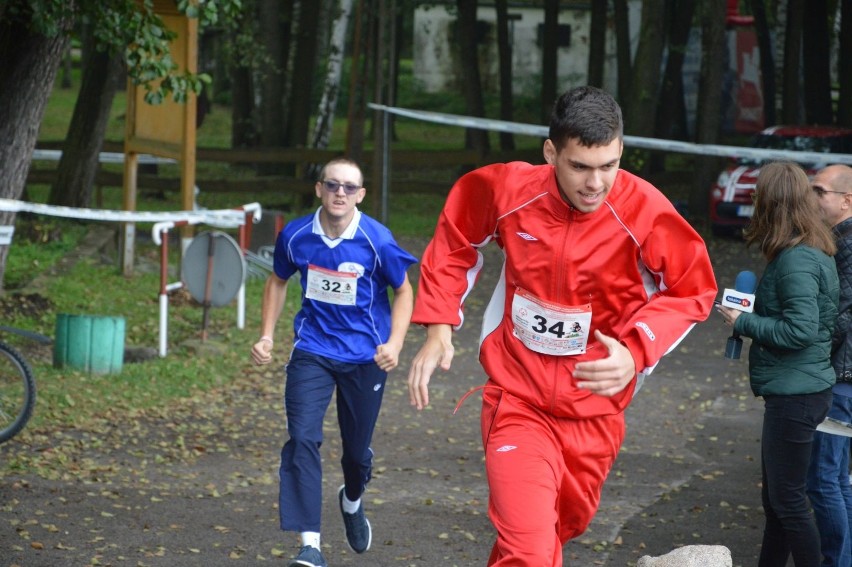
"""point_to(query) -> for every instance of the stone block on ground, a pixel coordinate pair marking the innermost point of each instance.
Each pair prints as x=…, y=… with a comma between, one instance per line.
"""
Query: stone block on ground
x=691, y=556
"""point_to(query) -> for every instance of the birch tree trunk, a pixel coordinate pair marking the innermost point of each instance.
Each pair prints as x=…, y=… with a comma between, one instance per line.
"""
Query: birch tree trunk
x=328, y=103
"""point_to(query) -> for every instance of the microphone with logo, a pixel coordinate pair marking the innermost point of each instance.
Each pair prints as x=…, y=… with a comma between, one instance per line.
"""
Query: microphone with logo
x=742, y=299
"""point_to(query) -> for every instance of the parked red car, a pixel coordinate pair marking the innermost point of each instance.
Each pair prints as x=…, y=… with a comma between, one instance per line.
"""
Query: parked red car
x=731, y=204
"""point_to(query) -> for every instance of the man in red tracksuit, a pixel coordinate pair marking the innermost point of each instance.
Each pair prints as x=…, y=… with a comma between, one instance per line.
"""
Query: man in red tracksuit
x=602, y=277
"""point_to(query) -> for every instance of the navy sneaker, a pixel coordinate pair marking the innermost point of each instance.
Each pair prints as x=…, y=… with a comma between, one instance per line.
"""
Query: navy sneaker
x=358, y=531
x=309, y=556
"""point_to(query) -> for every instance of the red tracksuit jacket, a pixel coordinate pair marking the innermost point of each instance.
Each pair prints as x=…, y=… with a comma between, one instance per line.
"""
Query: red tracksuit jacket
x=640, y=266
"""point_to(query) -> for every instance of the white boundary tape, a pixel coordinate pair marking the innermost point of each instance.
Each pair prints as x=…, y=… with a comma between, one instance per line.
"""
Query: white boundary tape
x=233, y=217
x=633, y=141
x=163, y=221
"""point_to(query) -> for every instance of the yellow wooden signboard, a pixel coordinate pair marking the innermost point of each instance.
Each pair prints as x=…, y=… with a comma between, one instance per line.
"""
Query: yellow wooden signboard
x=166, y=129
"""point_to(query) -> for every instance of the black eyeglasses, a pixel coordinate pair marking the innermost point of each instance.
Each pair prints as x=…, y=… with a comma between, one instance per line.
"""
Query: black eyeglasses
x=332, y=186
x=820, y=191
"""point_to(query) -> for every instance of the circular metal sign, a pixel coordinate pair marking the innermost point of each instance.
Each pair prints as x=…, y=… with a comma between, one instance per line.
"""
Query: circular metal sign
x=217, y=253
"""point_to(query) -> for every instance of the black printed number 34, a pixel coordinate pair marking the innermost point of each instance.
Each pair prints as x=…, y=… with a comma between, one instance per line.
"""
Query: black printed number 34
x=557, y=329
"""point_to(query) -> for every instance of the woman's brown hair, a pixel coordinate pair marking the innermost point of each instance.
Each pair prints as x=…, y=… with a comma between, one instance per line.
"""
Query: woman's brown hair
x=786, y=212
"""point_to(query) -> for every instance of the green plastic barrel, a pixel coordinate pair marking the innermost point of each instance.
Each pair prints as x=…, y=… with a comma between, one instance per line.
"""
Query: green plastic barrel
x=90, y=343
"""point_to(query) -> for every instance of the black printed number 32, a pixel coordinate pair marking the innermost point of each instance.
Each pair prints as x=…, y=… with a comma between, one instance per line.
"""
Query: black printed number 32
x=333, y=287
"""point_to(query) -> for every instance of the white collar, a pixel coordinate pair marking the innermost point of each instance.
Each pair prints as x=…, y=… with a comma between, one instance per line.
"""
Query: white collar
x=347, y=234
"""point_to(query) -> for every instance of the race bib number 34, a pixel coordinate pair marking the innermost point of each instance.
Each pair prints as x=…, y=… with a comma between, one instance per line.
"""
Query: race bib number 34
x=330, y=286
x=549, y=328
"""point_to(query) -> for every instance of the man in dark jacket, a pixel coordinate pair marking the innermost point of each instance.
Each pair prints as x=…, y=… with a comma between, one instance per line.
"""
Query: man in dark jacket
x=828, y=477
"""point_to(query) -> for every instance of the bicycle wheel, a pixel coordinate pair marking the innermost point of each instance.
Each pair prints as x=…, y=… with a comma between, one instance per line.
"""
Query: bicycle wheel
x=17, y=392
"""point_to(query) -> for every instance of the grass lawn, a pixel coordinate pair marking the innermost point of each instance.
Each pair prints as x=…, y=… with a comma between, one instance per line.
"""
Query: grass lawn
x=94, y=285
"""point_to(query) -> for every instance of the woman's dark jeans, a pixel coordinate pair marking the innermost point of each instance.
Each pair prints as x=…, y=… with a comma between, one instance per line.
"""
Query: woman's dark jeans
x=789, y=423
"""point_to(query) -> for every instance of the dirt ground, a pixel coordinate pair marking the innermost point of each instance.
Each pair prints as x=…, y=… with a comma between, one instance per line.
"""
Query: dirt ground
x=197, y=485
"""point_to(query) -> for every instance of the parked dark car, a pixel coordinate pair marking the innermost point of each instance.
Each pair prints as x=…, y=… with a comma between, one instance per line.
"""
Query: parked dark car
x=731, y=204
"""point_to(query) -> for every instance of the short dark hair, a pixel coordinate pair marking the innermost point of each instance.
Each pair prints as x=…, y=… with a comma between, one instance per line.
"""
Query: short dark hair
x=588, y=114
x=339, y=161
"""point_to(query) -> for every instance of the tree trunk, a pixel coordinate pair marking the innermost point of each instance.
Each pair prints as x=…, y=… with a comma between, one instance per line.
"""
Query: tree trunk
x=274, y=19
x=67, y=68
x=328, y=104
x=597, y=44
x=671, y=111
x=398, y=42
x=243, y=130
x=641, y=104
x=471, y=84
x=844, y=66
x=791, y=99
x=767, y=60
x=212, y=59
x=504, y=55
x=623, y=55
x=817, y=72
x=355, y=114
x=304, y=64
x=671, y=108
x=709, y=107
x=30, y=62
x=549, y=60
x=75, y=173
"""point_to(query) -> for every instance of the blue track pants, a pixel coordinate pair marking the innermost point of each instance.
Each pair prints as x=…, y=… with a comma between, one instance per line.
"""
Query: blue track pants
x=311, y=381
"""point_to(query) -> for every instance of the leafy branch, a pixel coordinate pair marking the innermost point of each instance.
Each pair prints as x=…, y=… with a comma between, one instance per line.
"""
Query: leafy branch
x=134, y=27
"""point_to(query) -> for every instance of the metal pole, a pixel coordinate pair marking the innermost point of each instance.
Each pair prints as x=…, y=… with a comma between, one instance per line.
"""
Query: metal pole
x=208, y=285
x=385, y=168
x=386, y=116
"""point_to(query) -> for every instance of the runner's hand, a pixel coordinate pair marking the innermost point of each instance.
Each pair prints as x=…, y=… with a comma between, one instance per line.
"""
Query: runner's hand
x=387, y=356
x=607, y=376
x=437, y=351
x=261, y=352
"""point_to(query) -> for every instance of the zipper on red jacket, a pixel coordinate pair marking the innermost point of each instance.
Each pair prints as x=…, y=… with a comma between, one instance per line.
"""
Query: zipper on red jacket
x=558, y=296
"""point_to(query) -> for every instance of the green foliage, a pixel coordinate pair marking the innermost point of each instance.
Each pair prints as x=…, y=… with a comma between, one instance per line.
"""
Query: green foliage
x=136, y=29
x=148, y=48
x=634, y=160
x=47, y=17
x=213, y=12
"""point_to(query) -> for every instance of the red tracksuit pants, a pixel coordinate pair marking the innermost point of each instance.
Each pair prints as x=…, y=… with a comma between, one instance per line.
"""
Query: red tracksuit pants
x=545, y=476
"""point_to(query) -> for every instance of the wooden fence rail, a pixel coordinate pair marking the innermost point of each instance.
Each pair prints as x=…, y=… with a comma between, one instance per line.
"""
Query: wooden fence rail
x=412, y=171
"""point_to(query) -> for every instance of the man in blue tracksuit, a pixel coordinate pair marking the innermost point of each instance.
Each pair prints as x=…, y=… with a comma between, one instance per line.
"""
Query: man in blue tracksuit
x=348, y=335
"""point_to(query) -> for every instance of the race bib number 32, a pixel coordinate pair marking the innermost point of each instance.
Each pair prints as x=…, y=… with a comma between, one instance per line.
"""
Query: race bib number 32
x=330, y=286
x=549, y=328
